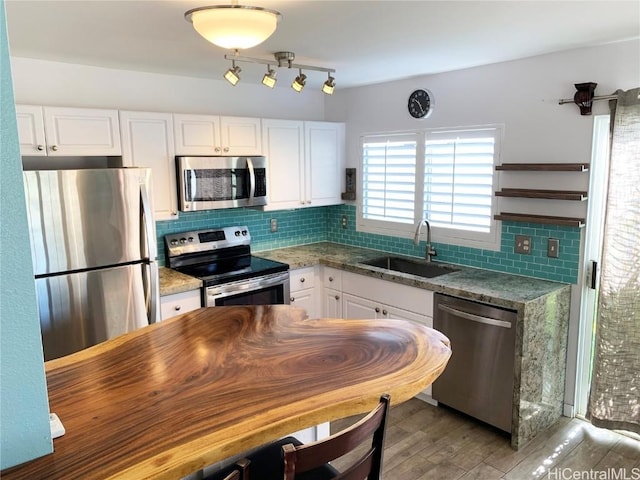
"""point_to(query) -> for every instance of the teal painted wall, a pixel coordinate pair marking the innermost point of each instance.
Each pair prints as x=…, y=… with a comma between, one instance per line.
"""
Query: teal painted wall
x=24, y=409
x=298, y=227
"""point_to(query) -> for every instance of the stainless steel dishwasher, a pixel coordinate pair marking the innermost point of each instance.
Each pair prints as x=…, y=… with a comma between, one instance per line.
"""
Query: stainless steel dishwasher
x=479, y=377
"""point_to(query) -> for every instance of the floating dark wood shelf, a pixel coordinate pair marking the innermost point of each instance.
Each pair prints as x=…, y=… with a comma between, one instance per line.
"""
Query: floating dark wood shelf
x=536, y=193
x=545, y=219
x=544, y=167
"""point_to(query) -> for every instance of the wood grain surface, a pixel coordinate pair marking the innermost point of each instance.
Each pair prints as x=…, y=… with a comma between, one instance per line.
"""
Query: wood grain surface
x=168, y=399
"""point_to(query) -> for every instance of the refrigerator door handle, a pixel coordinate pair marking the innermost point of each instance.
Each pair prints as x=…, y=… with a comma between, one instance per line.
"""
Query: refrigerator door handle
x=149, y=230
x=153, y=292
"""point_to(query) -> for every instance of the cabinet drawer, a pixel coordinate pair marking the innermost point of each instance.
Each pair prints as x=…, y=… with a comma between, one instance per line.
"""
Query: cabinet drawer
x=332, y=278
x=178, y=303
x=408, y=298
x=302, y=278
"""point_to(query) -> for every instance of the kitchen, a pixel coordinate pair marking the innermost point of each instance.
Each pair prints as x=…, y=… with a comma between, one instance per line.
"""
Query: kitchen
x=521, y=94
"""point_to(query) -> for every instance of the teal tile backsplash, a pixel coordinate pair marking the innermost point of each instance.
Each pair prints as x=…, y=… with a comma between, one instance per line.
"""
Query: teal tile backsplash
x=310, y=225
x=295, y=227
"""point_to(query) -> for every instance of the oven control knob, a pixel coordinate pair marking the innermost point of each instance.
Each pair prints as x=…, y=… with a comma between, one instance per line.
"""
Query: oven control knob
x=183, y=240
x=174, y=242
x=190, y=239
x=237, y=233
x=244, y=233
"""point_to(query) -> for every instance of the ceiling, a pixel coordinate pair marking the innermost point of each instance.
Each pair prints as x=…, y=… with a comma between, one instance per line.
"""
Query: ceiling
x=365, y=41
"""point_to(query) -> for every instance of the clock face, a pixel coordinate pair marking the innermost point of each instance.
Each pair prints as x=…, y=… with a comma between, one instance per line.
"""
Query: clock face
x=420, y=103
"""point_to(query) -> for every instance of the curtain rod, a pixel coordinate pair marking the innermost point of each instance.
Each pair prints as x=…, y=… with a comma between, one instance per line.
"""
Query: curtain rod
x=562, y=101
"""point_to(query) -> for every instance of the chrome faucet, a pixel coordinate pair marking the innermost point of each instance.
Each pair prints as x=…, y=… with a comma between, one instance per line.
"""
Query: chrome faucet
x=430, y=251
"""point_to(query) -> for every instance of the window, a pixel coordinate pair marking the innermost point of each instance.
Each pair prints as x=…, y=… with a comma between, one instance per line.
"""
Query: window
x=445, y=176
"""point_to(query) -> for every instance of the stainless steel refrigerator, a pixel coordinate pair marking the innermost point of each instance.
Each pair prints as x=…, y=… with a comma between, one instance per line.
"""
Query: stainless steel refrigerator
x=94, y=252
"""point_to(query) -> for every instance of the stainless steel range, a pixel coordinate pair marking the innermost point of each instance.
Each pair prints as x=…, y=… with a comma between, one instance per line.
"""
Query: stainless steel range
x=222, y=259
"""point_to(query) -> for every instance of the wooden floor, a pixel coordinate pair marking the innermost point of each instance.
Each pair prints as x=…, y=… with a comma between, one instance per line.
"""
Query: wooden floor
x=435, y=443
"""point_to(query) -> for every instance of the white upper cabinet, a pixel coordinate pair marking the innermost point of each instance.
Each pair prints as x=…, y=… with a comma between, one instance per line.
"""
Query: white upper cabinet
x=324, y=155
x=213, y=135
x=59, y=131
x=305, y=163
x=147, y=141
x=283, y=145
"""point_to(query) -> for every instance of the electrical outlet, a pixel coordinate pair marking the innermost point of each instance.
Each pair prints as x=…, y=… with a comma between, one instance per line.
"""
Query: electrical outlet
x=553, y=247
x=274, y=225
x=523, y=244
x=344, y=221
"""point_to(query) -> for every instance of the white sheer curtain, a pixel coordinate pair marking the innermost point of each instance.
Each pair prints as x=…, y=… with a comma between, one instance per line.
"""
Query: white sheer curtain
x=615, y=383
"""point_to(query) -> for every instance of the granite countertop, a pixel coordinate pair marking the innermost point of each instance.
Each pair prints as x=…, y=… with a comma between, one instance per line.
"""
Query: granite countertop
x=172, y=281
x=497, y=288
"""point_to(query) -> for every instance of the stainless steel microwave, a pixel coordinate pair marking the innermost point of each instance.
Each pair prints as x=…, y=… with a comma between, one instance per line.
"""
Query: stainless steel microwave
x=207, y=183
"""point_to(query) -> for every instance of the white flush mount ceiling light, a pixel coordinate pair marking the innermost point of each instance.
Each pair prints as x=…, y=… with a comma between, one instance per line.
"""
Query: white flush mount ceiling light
x=234, y=26
x=284, y=60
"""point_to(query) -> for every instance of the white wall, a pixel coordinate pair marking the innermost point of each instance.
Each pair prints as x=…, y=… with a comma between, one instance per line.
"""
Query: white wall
x=523, y=96
x=40, y=82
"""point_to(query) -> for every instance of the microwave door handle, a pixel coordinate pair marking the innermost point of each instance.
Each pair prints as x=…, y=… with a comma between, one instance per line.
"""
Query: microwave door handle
x=252, y=180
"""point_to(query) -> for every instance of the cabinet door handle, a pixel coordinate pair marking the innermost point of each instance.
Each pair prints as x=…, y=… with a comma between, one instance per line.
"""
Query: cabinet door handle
x=337, y=297
x=292, y=299
x=54, y=148
x=384, y=312
x=377, y=310
x=302, y=280
x=177, y=308
x=217, y=149
x=226, y=149
x=331, y=279
x=39, y=148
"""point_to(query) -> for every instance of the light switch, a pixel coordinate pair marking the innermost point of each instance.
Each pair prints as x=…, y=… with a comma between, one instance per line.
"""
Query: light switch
x=523, y=244
x=553, y=247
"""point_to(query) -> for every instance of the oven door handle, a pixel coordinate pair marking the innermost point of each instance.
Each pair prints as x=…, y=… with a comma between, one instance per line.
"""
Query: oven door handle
x=252, y=180
x=248, y=285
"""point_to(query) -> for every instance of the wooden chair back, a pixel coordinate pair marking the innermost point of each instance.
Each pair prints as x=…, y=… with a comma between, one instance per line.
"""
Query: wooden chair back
x=302, y=458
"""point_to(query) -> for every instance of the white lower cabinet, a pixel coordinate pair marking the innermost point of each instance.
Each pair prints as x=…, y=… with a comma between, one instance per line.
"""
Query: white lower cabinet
x=363, y=297
x=303, y=291
x=179, y=303
x=332, y=293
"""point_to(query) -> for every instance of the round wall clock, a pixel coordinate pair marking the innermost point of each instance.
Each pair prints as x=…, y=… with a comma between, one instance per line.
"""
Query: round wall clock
x=420, y=103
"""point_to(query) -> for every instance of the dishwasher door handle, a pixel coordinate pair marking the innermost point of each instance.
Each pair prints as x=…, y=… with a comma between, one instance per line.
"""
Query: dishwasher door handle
x=475, y=318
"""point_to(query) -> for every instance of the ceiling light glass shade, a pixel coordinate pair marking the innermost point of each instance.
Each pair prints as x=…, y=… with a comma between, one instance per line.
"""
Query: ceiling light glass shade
x=329, y=85
x=234, y=26
x=298, y=83
x=269, y=78
x=233, y=75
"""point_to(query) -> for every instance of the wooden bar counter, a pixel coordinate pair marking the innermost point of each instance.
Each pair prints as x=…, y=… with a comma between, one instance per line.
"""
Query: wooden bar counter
x=171, y=398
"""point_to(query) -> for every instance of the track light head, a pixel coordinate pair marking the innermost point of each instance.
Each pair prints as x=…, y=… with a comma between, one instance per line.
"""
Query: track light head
x=269, y=78
x=329, y=85
x=299, y=82
x=233, y=74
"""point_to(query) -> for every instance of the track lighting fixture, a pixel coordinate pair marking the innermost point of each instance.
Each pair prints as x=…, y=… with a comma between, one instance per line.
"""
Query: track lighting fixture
x=299, y=82
x=329, y=85
x=282, y=60
x=233, y=74
x=269, y=78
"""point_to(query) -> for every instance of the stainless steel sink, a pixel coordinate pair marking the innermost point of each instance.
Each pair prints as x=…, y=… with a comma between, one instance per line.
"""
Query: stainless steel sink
x=413, y=267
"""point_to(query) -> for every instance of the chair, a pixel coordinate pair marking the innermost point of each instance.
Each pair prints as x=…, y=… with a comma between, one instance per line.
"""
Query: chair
x=289, y=459
x=237, y=471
